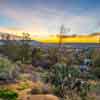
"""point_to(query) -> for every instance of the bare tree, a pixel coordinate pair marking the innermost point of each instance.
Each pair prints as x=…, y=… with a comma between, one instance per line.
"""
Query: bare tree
x=62, y=34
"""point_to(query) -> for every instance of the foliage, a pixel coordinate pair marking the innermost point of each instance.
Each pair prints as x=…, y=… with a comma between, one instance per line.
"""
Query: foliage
x=75, y=72
x=23, y=85
x=44, y=76
x=57, y=73
x=95, y=88
x=25, y=49
x=63, y=78
x=96, y=57
x=84, y=91
x=18, y=50
x=57, y=90
x=8, y=94
x=97, y=61
x=8, y=70
x=23, y=76
x=44, y=89
x=38, y=57
x=92, y=76
x=47, y=89
x=11, y=50
x=53, y=55
x=36, y=91
x=60, y=71
x=96, y=72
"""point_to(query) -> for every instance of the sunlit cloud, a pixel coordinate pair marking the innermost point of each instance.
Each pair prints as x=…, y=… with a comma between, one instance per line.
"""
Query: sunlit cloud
x=43, y=21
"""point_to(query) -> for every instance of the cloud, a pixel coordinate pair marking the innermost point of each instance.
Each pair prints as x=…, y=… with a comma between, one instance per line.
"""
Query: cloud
x=36, y=21
x=81, y=24
x=43, y=20
x=11, y=30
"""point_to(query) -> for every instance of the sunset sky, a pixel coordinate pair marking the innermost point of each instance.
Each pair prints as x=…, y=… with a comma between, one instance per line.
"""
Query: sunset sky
x=44, y=17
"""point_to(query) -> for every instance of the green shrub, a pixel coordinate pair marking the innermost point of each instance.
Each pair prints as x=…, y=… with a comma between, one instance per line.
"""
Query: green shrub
x=96, y=58
x=95, y=88
x=8, y=94
x=91, y=76
x=96, y=72
x=56, y=90
x=36, y=91
x=74, y=72
x=24, y=76
x=57, y=73
x=8, y=70
x=23, y=86
x=44, y=76
x=47, y=89
x=63, y=77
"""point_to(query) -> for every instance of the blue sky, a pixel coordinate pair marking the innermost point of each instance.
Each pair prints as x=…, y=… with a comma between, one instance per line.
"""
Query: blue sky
x=44, y=17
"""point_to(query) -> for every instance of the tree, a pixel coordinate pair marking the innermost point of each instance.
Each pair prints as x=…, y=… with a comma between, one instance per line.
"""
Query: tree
x=25, y=48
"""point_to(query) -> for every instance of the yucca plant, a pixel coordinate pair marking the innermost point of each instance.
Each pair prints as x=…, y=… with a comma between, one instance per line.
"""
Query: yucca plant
x=58, y=72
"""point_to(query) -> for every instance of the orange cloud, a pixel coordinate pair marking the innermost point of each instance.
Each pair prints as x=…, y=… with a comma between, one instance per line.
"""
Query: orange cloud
x=11, y=30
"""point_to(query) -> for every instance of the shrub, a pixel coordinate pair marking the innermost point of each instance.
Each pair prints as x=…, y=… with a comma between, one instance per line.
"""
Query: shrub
x=96, y=72
x=91, y=76
x=8, y=70
x=47, y=89
x=8, y=94
x=36, y=90
x=24, y=76
x=24, y=85
x=57, y=73
x=95, y=88
x=74, y=72
x=56, y=90
x=63, y=77
x=44, y=89
x=44, y=76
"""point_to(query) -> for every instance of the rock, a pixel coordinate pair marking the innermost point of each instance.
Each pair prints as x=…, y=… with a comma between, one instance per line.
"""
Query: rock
x=43, y=97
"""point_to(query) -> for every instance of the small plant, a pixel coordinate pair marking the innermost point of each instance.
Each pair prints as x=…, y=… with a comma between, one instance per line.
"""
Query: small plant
x=6, y=94
x=47, y=89
x=24, y=77
x=95, y=88
x=8, y=70
x=56, y=90
x=96, y=72
x=24, y=85
x=36, y=90
x=74, y=72
x=58, y=73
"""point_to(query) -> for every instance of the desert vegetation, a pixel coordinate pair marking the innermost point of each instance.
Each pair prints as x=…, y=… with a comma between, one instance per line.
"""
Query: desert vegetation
x=27, y=71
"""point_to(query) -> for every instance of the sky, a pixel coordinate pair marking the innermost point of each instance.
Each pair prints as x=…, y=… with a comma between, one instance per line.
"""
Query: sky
x=44, y=17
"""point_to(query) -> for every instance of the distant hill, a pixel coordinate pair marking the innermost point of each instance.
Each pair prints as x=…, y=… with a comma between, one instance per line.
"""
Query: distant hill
x=91, y=38
x=95, y=34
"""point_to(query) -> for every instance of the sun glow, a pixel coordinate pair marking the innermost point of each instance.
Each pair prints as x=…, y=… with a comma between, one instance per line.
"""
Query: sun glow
x=69, y=39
